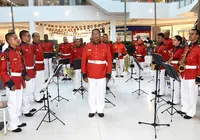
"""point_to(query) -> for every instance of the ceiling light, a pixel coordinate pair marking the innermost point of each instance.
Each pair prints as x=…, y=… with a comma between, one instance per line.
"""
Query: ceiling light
x=150, y=10
x=36, y=14
x=67, y=13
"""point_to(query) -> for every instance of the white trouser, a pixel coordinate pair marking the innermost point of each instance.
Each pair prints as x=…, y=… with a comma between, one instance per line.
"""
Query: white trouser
x=77, y=79
x=176, y=90
x=161, y=82
x=119, y=66
x=137, y=68
x=189, y=95
x=27, y=94
x=39, y=81
x=48, y=67
x=14, y=108
x=97, y=90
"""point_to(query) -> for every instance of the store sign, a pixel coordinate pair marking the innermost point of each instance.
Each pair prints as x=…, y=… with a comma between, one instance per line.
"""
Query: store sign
x=133, y=28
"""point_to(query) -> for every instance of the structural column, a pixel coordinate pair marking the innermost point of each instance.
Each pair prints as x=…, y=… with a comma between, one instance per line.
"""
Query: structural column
x=113, y=30
x=31, y=27
x=30, y=3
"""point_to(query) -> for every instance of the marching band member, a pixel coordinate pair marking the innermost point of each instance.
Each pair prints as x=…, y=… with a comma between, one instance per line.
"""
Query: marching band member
x=175, y=56
x=39, y=67
x=96, y=70
x=29, y=62
x=65, y=51
x=161, y=49
x=13, y=73
x=76, y=53
x=168, y=41
x=140, y=54
x=121, y=50
x=190, y=74
x=47, y=46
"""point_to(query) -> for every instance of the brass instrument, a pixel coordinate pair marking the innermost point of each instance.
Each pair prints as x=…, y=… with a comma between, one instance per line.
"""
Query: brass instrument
x=182, y=62
x=153, y=65
x=171, y=59
x=70, y=72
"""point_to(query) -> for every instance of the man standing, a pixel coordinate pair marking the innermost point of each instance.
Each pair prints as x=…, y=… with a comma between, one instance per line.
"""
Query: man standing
x=47, y=47
x=140, y=54
x=108, y=44
x=12, y=73
x=168, y=41
x=65, y=51
x=39, y=67
x=161, y=49
x=29, y=62
x=76, y=53
x=96, y=70
x=121, y=50
x=190, y=76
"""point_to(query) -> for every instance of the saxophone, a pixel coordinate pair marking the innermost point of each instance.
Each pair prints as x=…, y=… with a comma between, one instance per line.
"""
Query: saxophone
x=171, y=59
x=182, y=62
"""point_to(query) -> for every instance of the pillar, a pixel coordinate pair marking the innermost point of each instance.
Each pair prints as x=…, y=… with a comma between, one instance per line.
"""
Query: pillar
x=30, y=2
x=32, y=27
x=113, y=30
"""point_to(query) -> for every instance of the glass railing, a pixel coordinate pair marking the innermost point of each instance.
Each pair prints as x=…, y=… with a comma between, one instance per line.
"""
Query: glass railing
x=159, y=1
x=59, y=2
x=183, y=3
x=15, y=2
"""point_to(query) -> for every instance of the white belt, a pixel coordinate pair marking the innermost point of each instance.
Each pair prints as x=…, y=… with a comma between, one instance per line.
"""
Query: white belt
x=39, y=62
x=138, y=55
x=97, y=62
x=66, y=54
x=190, y=67
x=17, y=74
x=30, y=68
x=174, y=62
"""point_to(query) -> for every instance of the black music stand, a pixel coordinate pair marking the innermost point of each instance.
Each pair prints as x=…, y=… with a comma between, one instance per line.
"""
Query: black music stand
x=171, y=72
x=139, y=91
x=77, y=66
x=58, y=98
x=65, y=61
x=49, y=55
x=49, y=111
x=158, y=60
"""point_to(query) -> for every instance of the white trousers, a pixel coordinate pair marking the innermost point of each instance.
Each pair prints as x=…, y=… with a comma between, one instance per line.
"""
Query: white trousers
x=189, y=95
x=27, y=95
x=97, y=90
x=176, y=90
x=161, y=82
x=137, y=69
x=39, y=81
x=119, y=66
x=48, y=67
x=14, y=108
x=77, y=79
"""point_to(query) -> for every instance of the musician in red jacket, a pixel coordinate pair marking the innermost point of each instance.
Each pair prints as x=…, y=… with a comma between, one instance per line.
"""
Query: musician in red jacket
x=39, y=67
x=190, y=76
x=29, y=62
x=96, y=70
x=161, y=49
x=140, y=54
x=168, y=41
x=76, y=53
x=13, y=74
x=175, y=56
x=47, y=47
x=110, y=46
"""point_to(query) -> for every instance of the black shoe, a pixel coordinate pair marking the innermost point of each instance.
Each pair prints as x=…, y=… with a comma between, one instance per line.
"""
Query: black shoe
x=22, y=125
x=17, y=130
x=91, y=115
x=101, y=115
x=187, y=117
x=40, y=101
x=107, y=88
x=116, y=76
x=28, y=114
x=181, y=112
x=33, y=110
x=121, y=76
x=64, y=79
x=46, y=80
x=74, y=90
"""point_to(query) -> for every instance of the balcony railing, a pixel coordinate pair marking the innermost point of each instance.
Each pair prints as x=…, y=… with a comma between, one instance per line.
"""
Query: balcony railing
x=15, y=3
x=183, y=3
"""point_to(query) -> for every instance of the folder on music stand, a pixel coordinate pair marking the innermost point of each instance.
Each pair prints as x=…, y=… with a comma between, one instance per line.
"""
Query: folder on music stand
x=77, y=64
x=64, y=61
x=49, y=55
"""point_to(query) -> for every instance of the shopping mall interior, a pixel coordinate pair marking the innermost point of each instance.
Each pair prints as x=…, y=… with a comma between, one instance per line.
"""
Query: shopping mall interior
x=126, y=19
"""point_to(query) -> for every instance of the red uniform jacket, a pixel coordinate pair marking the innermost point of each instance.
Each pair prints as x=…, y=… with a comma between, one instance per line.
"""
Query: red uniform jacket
x=177, y=54
x=12, y=68
x=76, y=53
x=169, y=43
x=140, y=52
x=96, y=61
x=120, y=48
x=65, y=50
x=29, y=58
x=39, y=58
x=192, y=70
x=47, y=46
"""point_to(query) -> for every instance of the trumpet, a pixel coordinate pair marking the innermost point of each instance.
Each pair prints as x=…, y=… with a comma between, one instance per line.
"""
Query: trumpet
x=182, y=62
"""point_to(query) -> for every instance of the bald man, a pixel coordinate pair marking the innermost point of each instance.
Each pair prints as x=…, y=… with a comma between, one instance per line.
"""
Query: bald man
x=168, y=41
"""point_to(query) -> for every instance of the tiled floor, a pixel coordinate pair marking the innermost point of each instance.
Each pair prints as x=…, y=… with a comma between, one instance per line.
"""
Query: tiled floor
x=119, y=123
